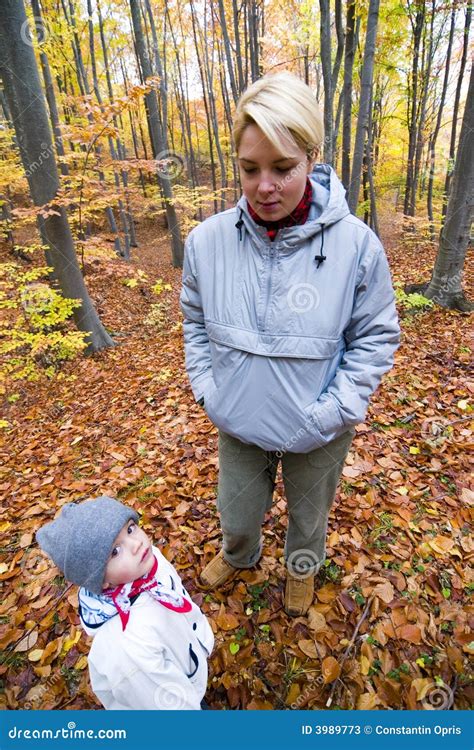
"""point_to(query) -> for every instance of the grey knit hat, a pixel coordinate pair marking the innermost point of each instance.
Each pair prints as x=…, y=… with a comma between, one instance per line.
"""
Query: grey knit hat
x=81, y=538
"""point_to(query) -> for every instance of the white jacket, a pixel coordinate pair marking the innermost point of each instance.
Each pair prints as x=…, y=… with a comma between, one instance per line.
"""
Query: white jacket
x=159, y=661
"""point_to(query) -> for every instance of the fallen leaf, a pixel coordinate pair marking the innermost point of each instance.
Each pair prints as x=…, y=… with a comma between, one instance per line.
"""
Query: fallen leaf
x=308, y=648
x=316, y=620
x=27, y=642
x=367, y=702
x=36, y=654
x=330, y=669
x=384, y=591
x=411, y=633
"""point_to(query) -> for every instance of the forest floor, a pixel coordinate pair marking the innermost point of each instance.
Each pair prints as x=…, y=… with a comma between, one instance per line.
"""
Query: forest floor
x=389, y=625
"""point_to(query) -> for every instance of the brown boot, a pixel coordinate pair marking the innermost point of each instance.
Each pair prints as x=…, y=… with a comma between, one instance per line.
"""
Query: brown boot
x=217, y=572
x=299, y=593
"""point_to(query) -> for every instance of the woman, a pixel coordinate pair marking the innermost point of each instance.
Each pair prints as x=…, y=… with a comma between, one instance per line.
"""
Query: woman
x=289, y=326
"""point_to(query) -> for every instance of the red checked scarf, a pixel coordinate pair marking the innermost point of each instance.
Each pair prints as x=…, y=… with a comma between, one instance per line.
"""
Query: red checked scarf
x=298, y=216
x=122, y=595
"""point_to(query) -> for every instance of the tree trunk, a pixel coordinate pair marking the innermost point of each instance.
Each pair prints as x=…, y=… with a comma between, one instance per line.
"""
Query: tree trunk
x=434, y=135
x=426, y=73
x=30, y=120
x=349, y=54
x=206, y=103
x=238, y=53
x=157, y=138
x=412, y=103
x=363, y=118
x=228, y=51
x=445, y=286
x=325, y=28
x=457, y=98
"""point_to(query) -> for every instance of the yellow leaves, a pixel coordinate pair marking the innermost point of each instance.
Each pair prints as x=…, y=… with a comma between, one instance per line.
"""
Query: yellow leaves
x=364, y=665
x=35, y=655
x=443, y=545
x=134, y=281
x=70, y=642
x=402, y=491
x=131, y=283
x=414, y=450
x=159, y=287
x=81, y=663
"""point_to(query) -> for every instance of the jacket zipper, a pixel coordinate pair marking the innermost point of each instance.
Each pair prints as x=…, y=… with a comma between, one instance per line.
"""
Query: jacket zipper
x=269, y=288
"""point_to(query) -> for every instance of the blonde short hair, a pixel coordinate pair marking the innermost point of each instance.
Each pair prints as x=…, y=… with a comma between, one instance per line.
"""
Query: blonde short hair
x=284, y=108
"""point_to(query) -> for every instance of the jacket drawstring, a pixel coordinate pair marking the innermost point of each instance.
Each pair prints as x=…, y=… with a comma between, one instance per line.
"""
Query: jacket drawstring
x=239, y=225
x=321, y=258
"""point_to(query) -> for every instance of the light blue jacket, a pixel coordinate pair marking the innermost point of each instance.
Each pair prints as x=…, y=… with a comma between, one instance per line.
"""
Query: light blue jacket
x=287, y=340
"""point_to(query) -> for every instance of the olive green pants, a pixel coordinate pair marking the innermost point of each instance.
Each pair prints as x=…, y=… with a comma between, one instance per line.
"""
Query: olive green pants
x=245, y=493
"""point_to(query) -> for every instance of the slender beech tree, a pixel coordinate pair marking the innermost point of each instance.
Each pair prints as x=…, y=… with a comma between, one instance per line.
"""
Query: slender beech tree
x=457, y=98
x=349, y=53
x=22, y=86
x=416, y=13
x=434, y=134
x=325, y=33
x=157, y=135
x=364, y=104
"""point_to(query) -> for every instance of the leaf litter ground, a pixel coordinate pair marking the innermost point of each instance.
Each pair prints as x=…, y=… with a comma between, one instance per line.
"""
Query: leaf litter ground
x=391, y=622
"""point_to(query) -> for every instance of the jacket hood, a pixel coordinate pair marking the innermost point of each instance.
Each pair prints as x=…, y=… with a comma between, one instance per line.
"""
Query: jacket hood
x=328, y=206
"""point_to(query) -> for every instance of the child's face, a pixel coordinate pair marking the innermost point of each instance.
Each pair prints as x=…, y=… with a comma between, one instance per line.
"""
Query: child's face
x=131, y=557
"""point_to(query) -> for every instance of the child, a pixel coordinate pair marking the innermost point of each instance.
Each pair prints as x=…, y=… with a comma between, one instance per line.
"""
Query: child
x=151, y=642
